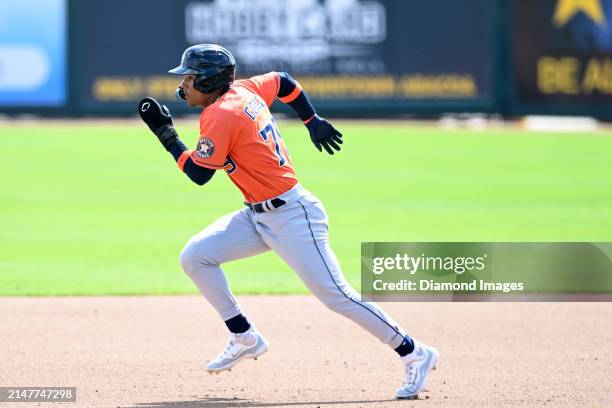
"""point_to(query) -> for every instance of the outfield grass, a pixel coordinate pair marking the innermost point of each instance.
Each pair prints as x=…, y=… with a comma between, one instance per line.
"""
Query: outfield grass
x=102, y=209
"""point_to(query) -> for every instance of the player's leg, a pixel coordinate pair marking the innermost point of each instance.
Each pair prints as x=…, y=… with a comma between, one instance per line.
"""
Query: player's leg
x=299, y=234
x=229, y=238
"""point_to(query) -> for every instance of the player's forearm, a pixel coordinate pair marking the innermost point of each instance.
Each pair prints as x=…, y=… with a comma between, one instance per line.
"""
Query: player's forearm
x=291, y=93
x=159, y=120
x=177, y=148
x=198, y=174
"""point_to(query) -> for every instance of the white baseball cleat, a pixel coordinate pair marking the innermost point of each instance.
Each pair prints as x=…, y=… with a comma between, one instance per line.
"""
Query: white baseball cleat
x=240, y=346
x=418, y=364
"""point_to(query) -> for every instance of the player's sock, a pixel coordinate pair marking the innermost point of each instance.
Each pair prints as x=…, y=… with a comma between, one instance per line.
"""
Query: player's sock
x=406, y=347
x=238, y=324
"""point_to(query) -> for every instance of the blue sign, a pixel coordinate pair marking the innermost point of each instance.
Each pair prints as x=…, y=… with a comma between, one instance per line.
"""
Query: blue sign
x=32, y=53
x=562, y=54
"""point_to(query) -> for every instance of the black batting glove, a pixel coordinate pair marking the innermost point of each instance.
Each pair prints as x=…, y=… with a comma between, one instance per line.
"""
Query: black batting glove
x=159, y=120
x=324, y=135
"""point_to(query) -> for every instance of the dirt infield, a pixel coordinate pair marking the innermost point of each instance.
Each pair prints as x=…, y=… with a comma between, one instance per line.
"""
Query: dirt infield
x=148, y=352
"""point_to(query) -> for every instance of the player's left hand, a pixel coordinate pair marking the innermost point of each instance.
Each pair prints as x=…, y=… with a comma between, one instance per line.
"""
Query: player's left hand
x=159, y=120
x=154, y=115
x=324, y=135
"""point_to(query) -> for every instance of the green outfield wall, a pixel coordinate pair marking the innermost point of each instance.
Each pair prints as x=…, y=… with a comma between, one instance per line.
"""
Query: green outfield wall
x=355, y=58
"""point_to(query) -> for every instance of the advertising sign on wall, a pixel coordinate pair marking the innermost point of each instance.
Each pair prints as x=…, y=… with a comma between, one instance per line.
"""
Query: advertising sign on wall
x=33, y=54
x=346, y=51
x=562, y=52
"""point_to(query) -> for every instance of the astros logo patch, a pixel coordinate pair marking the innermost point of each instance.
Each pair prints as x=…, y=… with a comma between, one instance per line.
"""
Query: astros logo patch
x=205, y=148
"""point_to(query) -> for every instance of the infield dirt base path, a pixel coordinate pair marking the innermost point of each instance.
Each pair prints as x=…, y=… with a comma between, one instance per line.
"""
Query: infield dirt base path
x=149, y=352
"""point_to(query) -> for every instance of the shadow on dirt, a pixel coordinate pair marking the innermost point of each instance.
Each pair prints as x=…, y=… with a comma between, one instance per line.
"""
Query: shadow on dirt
x=237, y=402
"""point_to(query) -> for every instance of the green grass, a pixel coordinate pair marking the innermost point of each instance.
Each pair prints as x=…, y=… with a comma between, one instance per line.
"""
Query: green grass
x=102, y=209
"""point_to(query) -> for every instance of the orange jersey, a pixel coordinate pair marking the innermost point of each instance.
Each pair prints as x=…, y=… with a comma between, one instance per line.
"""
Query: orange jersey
x=238, y=134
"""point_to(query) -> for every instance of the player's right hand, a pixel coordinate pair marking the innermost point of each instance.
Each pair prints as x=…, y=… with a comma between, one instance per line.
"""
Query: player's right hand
x=159, y=120
x=323, y=135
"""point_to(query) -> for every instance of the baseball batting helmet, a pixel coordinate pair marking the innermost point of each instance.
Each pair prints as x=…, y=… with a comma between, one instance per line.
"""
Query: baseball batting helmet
x=214, y=66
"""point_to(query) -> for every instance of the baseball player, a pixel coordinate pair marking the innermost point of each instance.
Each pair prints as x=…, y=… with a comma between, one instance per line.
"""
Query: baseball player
x=239, y=135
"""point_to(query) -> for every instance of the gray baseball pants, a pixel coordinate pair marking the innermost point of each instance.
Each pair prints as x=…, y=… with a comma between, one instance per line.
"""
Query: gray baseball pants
x=297, y=232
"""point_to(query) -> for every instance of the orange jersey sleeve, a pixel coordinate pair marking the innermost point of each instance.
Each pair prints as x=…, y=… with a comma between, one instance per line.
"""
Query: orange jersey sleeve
x=266, y=86
x=216, y=135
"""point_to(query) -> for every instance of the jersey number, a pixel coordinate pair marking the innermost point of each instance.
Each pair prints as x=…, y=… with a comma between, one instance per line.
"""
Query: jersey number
x=271, y=129
x=229, y=165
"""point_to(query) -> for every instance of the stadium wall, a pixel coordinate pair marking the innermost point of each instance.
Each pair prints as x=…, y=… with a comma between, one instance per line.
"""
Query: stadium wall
x=355, y=58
